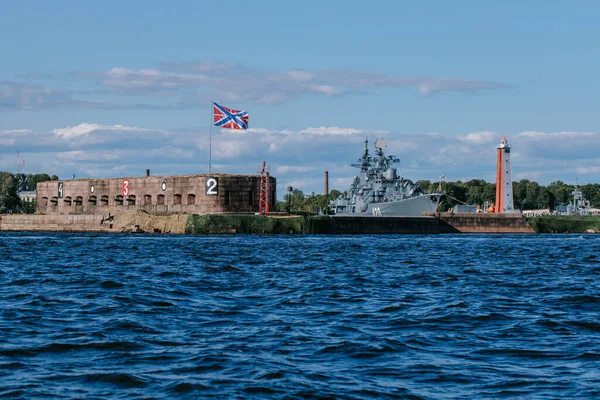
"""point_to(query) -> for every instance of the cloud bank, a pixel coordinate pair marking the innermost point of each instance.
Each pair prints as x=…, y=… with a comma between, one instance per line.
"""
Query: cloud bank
x=297, y=158
x=181, y=85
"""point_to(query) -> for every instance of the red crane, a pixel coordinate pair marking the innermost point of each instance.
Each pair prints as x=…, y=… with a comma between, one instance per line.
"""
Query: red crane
x=263, y=202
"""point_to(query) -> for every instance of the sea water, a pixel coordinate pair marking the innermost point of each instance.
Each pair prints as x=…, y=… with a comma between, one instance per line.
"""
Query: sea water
x=395, y=316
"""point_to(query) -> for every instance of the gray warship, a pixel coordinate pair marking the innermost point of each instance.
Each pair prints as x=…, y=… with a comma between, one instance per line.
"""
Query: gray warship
x=380, y=191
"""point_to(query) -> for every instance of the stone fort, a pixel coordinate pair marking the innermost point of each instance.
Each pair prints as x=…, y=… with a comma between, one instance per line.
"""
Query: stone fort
x=192, y=194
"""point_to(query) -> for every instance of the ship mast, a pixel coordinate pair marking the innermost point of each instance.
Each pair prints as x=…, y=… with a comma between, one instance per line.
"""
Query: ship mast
x=365, y=160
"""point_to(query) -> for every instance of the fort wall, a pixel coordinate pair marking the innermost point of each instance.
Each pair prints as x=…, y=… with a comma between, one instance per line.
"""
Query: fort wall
x=192, y=194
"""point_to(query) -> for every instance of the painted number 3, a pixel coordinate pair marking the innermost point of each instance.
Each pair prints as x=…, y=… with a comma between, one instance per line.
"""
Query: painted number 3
x=212, y=186
x=125, y=187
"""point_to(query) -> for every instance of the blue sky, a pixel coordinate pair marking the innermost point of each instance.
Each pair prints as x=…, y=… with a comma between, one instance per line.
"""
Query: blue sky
x=112, y=88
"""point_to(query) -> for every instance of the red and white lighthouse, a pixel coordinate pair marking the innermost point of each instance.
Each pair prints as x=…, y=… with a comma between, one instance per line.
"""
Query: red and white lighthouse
x=504, y=192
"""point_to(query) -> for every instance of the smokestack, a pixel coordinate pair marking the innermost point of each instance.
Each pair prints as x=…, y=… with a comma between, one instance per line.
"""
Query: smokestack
x=326, y=189
x=147, y=173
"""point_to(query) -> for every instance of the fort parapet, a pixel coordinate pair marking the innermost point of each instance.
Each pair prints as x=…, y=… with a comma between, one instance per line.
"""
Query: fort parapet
x=191, y=194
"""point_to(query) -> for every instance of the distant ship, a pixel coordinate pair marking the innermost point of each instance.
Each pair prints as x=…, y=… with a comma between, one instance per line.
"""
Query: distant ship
x=379, y=191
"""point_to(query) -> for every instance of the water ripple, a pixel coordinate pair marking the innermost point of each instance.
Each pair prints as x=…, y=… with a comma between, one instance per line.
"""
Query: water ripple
x=412, y=317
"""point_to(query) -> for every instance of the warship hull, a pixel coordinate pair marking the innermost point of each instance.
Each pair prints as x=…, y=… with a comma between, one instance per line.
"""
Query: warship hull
x=410, y=207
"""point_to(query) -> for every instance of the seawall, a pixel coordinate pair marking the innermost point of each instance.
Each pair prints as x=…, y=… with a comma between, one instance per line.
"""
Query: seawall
x=484, y=222
x=143, y=222
x=120, y=222
x=54, y=223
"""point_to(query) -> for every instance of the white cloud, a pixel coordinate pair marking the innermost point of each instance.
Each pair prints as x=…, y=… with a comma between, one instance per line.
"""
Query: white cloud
x=588, y=170
x=120, y=77
x=328, y=131
x=531, y=134
x=93, y=156
x=229, y=149
x=15, y=131
x=326, y=90
x=198, y=82
x=427, y=86
x=286, y=169
x=86, y=128
x=184, y=85
x=301, y=76
x=553, y=135
x=260, y=131
x=479, y=137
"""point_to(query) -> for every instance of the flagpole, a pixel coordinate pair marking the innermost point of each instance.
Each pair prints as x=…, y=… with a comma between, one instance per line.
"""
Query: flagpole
x=212, y=117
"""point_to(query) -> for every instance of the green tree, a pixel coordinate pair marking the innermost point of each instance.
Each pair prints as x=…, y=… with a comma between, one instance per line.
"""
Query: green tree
x=9, y=199
x=543, y=198
x=424, y=184
x=590, y=191
x=27, y=207
x=455, y=194
x=292, y=201
x=33, y=179
x=474, y=191
x=489, y=193
x=21, y=181
x=531, y=192
x=559, y=192
x=334, y=194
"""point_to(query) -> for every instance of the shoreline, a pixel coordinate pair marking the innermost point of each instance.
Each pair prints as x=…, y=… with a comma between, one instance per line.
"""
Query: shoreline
x=431, y=223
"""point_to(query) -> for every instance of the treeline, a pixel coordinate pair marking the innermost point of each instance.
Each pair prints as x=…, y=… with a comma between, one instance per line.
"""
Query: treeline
x=527, y=195
x=299, y=203
x=12, y=184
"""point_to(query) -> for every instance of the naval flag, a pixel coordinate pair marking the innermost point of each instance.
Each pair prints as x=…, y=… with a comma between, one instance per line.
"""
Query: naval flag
x=230, y=119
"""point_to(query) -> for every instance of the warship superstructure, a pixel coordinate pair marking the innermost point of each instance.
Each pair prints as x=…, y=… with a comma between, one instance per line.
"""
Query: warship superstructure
x=379, y=190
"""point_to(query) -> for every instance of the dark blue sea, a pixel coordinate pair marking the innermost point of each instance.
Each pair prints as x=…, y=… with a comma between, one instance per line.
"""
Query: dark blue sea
x=416, y=317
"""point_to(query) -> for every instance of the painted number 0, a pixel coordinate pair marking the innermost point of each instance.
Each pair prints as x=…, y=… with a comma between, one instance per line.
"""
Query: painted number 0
x=211, y=187
x=125, y=187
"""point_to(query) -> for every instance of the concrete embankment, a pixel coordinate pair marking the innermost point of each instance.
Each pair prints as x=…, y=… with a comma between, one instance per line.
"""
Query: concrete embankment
x=119, y=222
x=54, y=223
x=484, y=222
x=140, y=221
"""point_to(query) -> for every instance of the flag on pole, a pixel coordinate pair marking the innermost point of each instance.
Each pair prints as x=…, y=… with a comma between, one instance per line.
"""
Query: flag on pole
x=227, y=118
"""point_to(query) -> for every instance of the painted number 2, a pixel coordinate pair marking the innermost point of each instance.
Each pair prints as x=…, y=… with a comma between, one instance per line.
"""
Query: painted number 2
x=212, y=186
x=125, y=187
